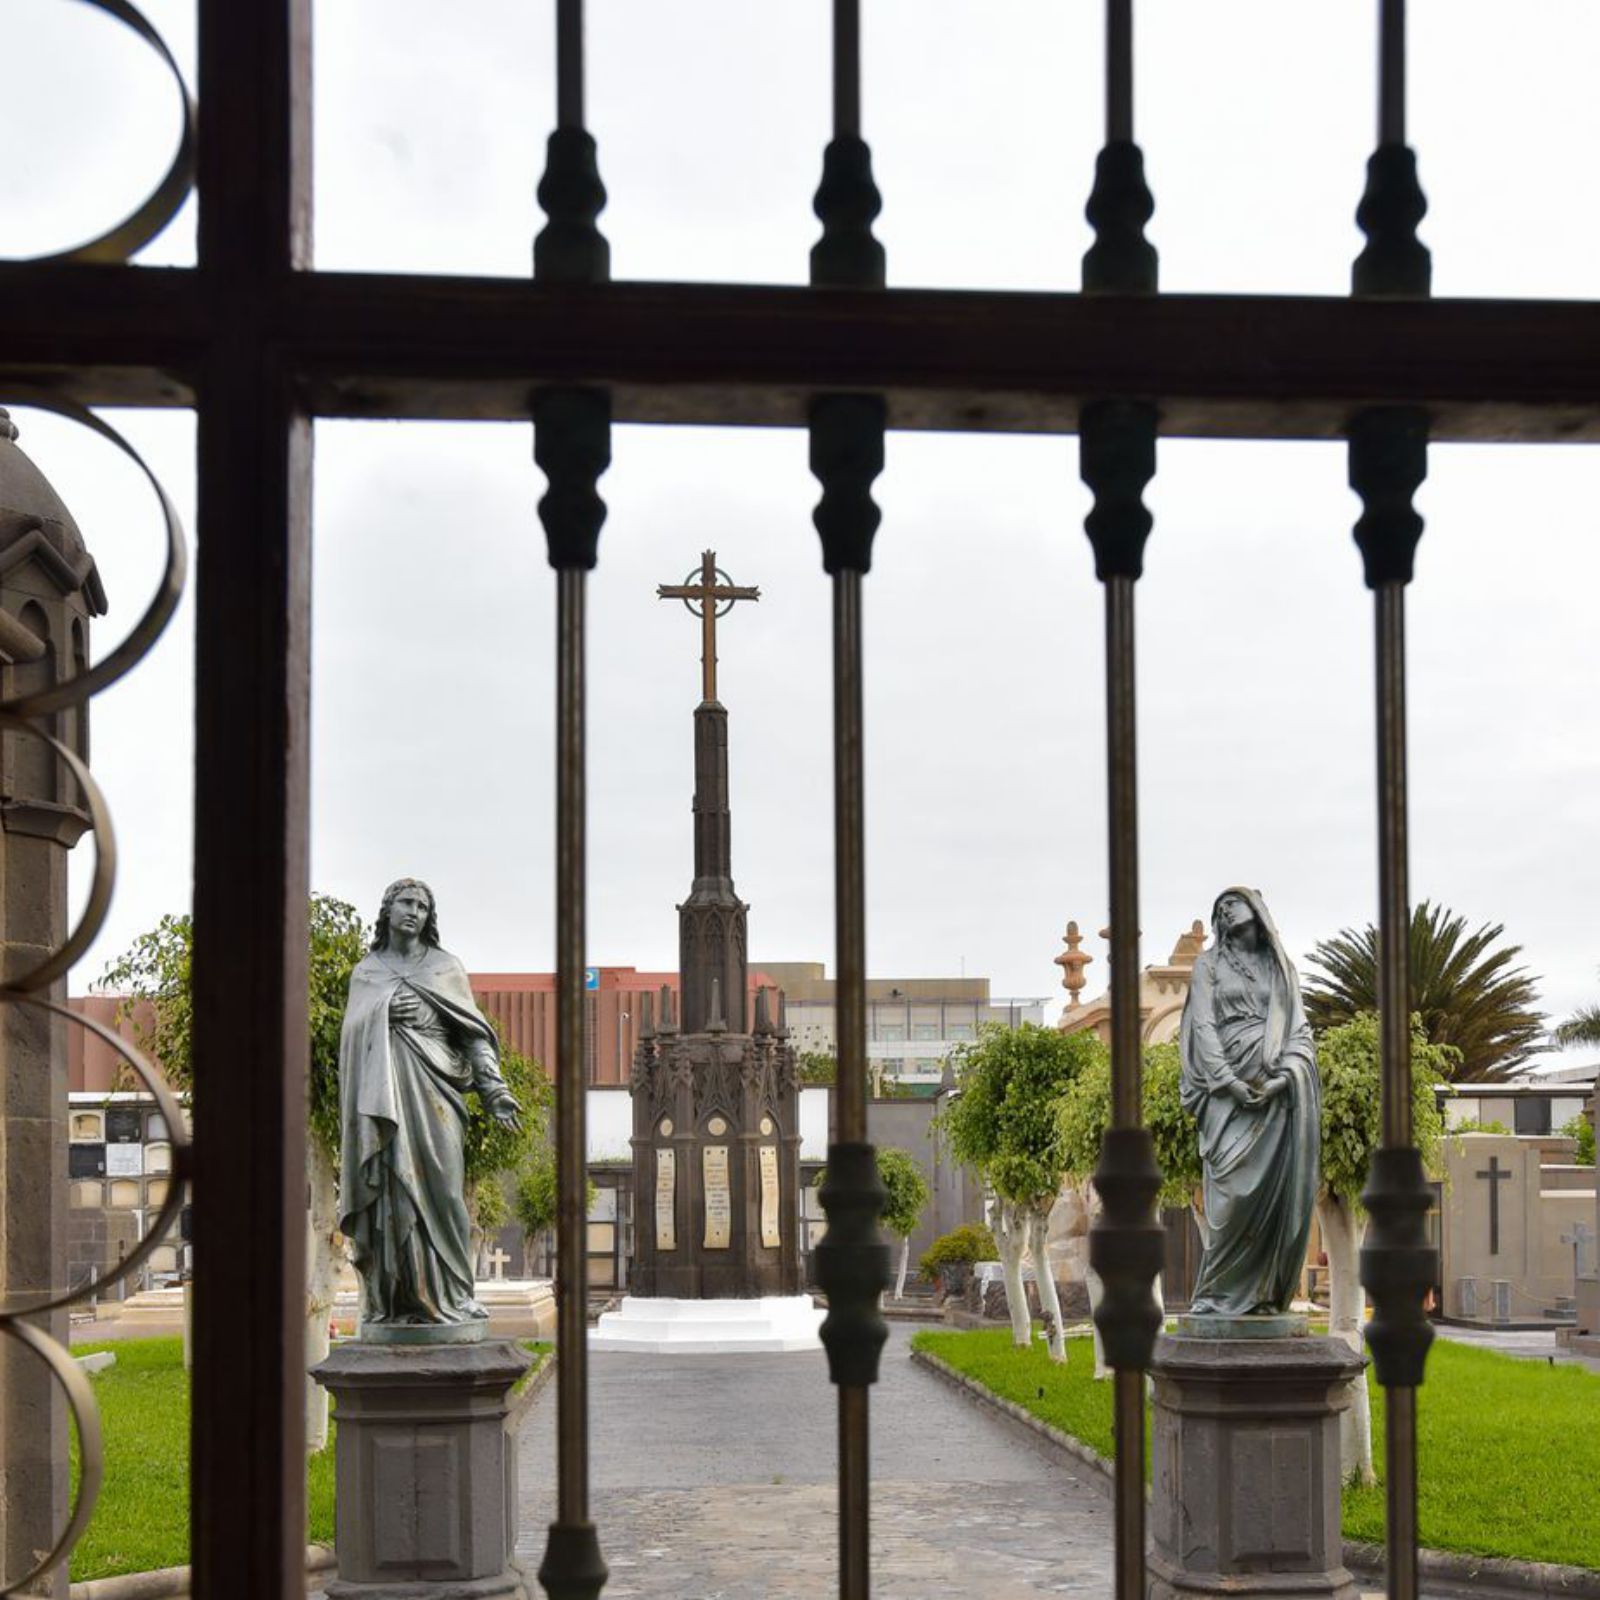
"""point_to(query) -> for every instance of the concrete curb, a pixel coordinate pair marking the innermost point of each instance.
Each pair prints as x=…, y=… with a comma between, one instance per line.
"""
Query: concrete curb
x=1448, y=1570
x=1051, y=1435
x=1444, y=1571
x=523, y=1403
x=172, y=1583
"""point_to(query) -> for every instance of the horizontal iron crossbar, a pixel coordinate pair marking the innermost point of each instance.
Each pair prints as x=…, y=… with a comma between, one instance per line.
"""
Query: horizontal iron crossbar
x=1221, y=366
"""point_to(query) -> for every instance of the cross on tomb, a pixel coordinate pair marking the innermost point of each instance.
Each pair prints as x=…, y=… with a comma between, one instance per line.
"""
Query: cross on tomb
x=497, y=1259
x=1580, y=1236
x=1496, y=1176
x=712, y=596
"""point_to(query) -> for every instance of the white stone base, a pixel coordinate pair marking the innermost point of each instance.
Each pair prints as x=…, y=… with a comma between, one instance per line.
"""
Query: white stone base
x=710, y=1327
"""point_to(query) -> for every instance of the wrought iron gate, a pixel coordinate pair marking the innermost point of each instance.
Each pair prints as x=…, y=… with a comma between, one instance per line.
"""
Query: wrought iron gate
x=258, y=344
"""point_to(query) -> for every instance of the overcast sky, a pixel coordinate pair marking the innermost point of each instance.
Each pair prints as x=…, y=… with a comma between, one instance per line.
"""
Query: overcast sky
x=434, y=605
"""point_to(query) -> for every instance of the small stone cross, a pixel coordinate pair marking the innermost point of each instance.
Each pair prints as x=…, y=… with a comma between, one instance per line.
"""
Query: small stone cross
x=1496, y=1176
x=497, y=1259
x=1580, y=1236
x=711, y=597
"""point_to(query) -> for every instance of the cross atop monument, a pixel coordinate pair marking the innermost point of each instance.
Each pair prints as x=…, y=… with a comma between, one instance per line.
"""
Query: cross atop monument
x=712, y=596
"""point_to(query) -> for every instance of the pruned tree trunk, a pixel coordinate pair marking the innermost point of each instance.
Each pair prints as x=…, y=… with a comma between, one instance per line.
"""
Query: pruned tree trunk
x=1011, y=1234
x=905, y=1259
x=1038, y=1223
x=1346, y=1303
x=322, y=1283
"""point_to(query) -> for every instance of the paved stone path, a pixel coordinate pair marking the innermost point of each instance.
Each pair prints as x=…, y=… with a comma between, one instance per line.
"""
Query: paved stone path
x=713, y=1479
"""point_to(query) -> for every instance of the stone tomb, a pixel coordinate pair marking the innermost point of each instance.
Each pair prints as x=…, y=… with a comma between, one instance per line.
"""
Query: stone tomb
x=1515, y=1213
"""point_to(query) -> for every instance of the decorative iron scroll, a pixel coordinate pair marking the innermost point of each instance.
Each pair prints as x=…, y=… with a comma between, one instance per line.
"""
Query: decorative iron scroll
x=119, y=244
x=28, y=990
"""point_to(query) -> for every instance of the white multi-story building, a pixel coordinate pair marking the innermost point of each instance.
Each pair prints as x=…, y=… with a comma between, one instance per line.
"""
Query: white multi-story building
x=912, y=1023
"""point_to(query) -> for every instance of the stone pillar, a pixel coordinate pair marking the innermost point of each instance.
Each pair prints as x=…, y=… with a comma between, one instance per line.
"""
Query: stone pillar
x=1245, y=1448
x=49, y=591
x=425, y=1471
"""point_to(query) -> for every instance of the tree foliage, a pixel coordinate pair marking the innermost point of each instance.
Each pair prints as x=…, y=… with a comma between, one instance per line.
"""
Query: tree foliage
x=1581, y=1129
x=157, y=969
x=1004, y=1122
x=1085, y=1113
x=962, y=1246
x=1582, y=1027
x=905, y=1190
x=1465, y=986
x=1348, y=1063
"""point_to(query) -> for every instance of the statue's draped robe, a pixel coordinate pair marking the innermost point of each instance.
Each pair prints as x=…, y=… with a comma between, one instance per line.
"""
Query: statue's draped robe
x=403, y=1111
x=1260, y=1162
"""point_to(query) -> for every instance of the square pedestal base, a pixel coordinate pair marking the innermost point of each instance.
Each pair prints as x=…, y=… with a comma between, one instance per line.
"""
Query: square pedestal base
x=1245, y=1450
x=425, y=1472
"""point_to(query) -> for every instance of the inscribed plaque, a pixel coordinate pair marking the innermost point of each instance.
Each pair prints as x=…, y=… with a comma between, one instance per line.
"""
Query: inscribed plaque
x=719, y=1202
x=666, y=1199
x=770, y=1236
x=124, y=1160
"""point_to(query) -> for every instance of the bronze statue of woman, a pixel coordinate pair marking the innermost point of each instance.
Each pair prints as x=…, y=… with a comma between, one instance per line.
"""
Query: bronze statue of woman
x=1250, y=1081
x=414, y=1043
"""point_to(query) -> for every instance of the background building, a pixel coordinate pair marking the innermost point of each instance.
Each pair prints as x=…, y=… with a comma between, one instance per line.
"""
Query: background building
x=912, y=1023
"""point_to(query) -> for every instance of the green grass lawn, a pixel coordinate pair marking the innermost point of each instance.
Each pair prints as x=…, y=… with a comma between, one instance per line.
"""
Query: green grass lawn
x=142, y=1518
x=1508, y=1450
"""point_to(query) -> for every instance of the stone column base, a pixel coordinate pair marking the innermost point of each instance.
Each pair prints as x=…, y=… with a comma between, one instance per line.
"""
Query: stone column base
x=1245, y=1450
x=425, y=1472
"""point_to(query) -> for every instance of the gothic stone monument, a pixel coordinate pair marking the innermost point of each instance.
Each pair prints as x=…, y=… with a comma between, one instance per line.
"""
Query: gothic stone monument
x=716, y=1137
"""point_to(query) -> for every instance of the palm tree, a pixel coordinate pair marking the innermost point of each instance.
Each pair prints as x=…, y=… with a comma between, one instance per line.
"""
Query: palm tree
x=1582, y=1027
x=1469, y=994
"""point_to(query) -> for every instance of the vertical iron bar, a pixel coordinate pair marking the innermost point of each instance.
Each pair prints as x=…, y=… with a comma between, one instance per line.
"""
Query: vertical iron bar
x=1123, y=801
x=1394, y=1024
x=847, y=69
x=1119, y=70
x=849, y=862
x=569, y=63
x=1392, y=72
x=572, y=443
x=850, y=913
x=572, y=1374
x=252, y=704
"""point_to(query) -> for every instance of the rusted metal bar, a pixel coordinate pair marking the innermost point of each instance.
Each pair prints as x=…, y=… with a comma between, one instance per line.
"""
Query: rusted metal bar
x=252, y=637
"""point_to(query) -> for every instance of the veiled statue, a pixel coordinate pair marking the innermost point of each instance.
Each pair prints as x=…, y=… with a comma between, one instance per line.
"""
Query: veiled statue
x=414, y=1045
x=1250, y=1082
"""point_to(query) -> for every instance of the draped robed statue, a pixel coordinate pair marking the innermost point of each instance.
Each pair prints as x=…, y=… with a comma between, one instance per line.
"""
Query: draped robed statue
x=1249, y=1079
x=414, y=1045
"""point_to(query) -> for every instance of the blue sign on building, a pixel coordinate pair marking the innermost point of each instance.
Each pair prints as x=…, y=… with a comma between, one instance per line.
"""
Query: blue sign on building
x=591, y=977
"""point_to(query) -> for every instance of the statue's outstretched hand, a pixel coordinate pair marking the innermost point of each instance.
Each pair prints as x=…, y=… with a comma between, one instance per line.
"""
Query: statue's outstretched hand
x=507, y=1113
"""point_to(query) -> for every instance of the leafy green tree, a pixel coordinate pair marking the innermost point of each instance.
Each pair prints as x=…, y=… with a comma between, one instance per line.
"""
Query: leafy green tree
x=906, y=1196
x=535, y=1198
x=1465, y=986
x=1004, y=1123
x=154, y=974
x=1581, y=1129
x=1085, y=1114
x=818, y=1068
x=1348, y=1064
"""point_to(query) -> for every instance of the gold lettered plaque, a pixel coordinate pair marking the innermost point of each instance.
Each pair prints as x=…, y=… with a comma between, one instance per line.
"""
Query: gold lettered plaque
x=666, y=1198
x=719, y=1202
x=770, y=1236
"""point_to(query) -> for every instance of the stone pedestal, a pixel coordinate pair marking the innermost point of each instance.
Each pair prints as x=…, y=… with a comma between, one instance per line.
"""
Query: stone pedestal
x=1245, y=1447
x=426, y=1474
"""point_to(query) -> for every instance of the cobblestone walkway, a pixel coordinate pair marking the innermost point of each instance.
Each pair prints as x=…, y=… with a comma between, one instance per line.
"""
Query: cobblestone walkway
x=713, y=1479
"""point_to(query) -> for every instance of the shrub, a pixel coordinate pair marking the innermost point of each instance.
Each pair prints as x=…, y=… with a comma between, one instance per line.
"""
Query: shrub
x=960, y=1247
x=1581, y=1129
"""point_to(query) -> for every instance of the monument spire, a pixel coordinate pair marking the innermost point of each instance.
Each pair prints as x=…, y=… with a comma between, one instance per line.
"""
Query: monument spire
x=712, y=933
